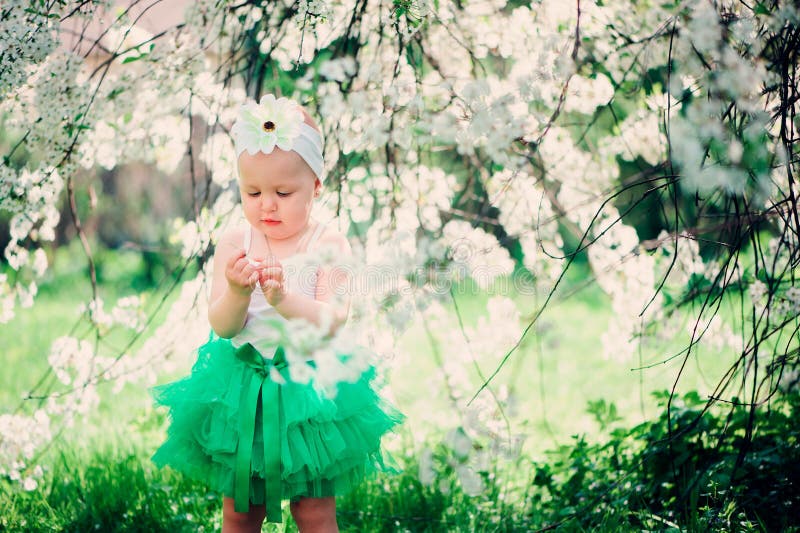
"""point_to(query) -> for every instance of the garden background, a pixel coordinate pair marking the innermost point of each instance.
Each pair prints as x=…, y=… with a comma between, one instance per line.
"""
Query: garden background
x=575, y=234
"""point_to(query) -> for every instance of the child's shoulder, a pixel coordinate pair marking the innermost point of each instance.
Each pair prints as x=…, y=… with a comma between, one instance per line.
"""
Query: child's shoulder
x=231, y=240
x=331, y=237
x=234, y=233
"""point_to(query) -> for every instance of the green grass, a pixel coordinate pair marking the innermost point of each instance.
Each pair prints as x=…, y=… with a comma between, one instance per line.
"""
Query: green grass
x=25, y=341
x=558, y=370
x=112, y=486
x=554, y=375
x=108, y=484
x=100, y=478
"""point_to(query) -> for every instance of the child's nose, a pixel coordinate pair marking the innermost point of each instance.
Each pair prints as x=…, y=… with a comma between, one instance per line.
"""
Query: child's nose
x=267, y=202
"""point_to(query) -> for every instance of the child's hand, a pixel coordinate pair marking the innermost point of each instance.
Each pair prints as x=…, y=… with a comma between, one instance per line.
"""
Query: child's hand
x=272, y=281
x=242, y=274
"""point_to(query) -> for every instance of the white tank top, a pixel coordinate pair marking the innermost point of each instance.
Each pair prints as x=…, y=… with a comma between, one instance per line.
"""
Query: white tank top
x=300, y=275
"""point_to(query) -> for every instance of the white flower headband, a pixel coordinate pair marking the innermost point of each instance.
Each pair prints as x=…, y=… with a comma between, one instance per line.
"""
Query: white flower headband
x=277, y=122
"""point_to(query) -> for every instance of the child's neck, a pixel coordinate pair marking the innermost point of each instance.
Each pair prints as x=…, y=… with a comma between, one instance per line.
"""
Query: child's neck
x=283, y=248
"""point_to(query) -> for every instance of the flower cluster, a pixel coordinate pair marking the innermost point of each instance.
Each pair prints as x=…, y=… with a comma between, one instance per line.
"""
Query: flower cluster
x=715, y=75
x=194, y=236
x=312, y=12
x=127, y=313
x=22, y=436
x=30, y=197
x=27, y=37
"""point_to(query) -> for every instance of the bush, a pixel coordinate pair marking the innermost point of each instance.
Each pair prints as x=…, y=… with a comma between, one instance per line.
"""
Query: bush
x=691, y=468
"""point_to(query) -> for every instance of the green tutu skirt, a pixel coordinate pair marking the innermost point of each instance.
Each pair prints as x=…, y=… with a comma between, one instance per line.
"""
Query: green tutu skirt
x=250, y=437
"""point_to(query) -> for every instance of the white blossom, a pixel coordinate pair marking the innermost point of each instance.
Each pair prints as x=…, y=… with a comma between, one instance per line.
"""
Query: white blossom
x=20, y=437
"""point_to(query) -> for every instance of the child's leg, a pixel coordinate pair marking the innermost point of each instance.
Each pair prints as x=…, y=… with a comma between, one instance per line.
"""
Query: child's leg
x=249, y=522
x=315, y=515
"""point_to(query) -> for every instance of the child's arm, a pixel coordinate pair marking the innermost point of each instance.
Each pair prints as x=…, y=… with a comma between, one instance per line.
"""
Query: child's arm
x=233, y=281
x=331, y=297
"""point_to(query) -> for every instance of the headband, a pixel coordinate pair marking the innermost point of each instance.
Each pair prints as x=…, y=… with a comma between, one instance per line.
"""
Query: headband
x=277, y=122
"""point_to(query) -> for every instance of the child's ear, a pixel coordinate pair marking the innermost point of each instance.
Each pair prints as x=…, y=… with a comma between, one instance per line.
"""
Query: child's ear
x=317, y=187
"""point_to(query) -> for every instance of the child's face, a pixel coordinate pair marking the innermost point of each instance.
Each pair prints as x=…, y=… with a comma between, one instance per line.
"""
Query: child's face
x=276, y=187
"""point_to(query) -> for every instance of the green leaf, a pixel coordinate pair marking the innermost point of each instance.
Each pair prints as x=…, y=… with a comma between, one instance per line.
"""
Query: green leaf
x=761, y=9
x=115, y=92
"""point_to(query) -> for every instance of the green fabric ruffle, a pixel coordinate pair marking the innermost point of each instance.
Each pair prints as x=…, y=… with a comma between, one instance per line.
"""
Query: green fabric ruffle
x=326, y=445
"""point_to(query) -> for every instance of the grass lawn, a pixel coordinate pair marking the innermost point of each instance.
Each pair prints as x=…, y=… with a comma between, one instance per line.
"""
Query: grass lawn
x=558, y=370
x=553, y=376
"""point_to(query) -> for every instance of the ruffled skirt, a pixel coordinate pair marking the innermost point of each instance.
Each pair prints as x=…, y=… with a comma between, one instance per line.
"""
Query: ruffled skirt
x=326, y=445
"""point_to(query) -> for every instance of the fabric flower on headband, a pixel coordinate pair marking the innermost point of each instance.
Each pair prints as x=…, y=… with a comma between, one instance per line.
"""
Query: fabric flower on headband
x=272, y=122
x=278, y=122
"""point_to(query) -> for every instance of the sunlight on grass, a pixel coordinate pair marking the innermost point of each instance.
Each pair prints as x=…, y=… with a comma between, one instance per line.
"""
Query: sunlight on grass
x=101, y=476
x=558, y=369
x=27, y=338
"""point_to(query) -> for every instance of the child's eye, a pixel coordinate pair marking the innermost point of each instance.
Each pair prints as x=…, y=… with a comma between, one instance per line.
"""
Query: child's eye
x=253, y=193
x=283, y=194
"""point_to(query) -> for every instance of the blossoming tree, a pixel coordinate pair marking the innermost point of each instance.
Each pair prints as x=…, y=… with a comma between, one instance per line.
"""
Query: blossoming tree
x=462, y=138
